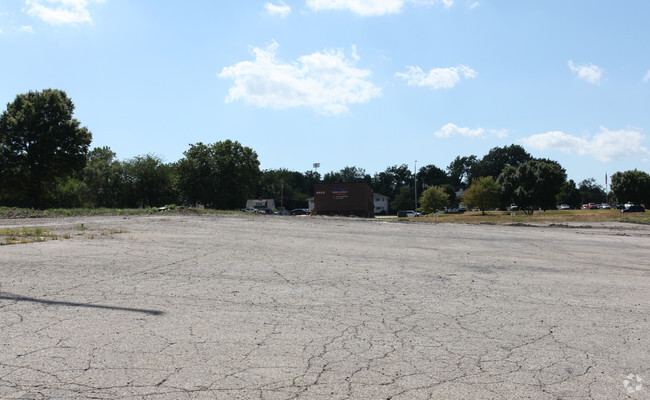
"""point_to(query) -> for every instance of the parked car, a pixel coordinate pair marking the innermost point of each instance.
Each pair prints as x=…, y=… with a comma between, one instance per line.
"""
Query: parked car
x=633, y=209
x=564, y=207
x=300, y=211
x=605, y=206
x=590, y=206
x=411, y=214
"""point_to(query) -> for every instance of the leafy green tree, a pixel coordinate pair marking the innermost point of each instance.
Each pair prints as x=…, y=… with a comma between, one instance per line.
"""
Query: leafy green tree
x=150, y=180
x=532, y=184
x=632, y=186
x=391, y=181
x=100, y=177
x=40, y=144
x=484, y=193
x=591, y=192
x=404, y=200
x=460, y=171
x=291, y=189
x=569, y=194
x=222, y=175
x=348, y=175
x=498, y=158
x=432, y=199
x=431, y=175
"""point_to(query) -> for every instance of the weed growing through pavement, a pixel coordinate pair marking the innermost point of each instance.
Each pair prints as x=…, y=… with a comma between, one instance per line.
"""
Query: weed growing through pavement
x=25, y=235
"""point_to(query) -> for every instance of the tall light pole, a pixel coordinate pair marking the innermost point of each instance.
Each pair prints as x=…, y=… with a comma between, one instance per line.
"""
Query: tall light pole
x=415, y=183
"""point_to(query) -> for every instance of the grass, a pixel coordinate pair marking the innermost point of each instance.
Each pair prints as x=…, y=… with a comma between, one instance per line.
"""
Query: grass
x=539, y=217
x=26, y=235
x=15, y=212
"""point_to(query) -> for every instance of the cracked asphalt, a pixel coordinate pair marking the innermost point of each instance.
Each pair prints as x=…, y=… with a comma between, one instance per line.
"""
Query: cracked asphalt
x=269, y=307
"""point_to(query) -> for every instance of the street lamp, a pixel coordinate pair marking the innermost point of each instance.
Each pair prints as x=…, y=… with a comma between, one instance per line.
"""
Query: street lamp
x=415, y=184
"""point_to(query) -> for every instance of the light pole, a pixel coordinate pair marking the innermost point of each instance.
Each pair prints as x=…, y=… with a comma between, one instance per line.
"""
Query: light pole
x=415, y=184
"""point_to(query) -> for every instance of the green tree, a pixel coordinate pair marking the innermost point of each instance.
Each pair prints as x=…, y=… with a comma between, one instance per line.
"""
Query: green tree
x=631, y=186
x=222, y=175
x=569, y=194
x=348, y=175
x=150, y=180
x=404, y=200
x=431, y=175
x=483, y=193
x=40, y=144
x=391, y=181
x=100, y=177
x=432, y=199
x=498, y=158
x=460, y=171
x=591, y=192
x=532, y=184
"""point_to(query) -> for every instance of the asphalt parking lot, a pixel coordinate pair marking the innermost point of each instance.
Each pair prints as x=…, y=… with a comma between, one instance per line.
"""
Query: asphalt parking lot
x=271, y=307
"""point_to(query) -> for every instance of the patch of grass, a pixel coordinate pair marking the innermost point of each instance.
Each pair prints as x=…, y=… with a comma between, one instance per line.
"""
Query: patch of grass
x=14, y=212
x=25, y=235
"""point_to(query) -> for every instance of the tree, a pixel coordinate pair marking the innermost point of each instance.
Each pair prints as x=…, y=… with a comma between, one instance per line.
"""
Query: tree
x=631, y=186
x=40, y=143
x=532, y=184
x=569, y=194
x=431, y=175
x=348, y=175
x=591, y=192
x=99, y=176
x=404, y=200
x=484, y=193
x=460, y=171
x=288, y=188
x=151, y=180
x=498, y=158
x=222, y=175
x=432, y=199
x=390, y=181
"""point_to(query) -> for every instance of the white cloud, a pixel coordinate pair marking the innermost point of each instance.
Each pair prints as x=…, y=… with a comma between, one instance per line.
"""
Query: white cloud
x=473, y=5
x=325, y=81
x=605, y=146
x=57, y=12
x=368, y=8
x=26, y=29
x=437, y=78
x=590, y=73
x=451, y=130
x=282, y=9
x=646, y=78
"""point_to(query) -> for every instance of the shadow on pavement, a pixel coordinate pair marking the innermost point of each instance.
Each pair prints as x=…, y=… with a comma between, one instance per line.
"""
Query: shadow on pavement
x=8, y=296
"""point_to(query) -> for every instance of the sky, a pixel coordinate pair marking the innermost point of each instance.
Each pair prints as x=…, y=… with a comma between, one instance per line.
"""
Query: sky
x=343, y=83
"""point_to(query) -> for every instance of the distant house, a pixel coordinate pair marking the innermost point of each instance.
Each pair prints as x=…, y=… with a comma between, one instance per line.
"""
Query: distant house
x=261, y=204
x=381, y=204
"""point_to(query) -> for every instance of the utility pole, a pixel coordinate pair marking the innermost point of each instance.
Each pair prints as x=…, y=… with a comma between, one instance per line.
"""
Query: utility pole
x=415, y=184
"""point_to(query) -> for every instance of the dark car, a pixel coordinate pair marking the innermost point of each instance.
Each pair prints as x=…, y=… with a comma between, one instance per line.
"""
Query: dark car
x=634, y=209
x=300, y=211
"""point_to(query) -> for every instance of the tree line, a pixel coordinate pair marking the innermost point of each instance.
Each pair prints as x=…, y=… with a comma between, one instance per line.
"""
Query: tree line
x=46, y=161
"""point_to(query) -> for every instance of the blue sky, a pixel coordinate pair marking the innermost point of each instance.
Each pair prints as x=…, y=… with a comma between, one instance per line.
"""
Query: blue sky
x=345, y=82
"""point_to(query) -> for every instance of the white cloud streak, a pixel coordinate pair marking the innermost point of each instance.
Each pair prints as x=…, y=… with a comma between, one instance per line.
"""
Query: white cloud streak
x=646, y=78
x=326, y=81
x=453, y=130
x=26, y=29
x=589, y=73
x=60, y=12
x=281, y=10
x=437, y=78
x=606, y=146
x=369, y=8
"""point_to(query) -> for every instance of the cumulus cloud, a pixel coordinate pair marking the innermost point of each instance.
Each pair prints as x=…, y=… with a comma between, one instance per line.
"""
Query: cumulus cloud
x=451, y=130
x=646, y=78
x=326, y=81
x=605, y=146
x=590, y=73
x=437, y=78
x=281, y=9
x=368, y=8
x=58, y=12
